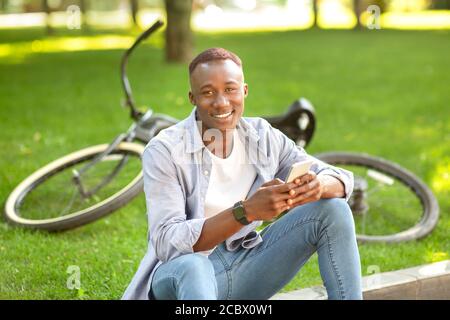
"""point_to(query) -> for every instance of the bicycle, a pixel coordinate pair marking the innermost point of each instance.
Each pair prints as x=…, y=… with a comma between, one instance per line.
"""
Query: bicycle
x=90, y=183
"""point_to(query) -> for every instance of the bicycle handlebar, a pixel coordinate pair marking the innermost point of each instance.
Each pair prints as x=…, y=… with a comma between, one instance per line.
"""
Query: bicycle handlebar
x=129, y=102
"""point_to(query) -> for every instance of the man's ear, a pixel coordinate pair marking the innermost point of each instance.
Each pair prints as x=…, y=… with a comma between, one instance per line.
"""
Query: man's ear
x=191, y=98
x=245, y=90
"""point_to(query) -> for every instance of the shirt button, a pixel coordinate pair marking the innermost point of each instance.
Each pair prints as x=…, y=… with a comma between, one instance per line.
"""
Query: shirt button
x=206, y=172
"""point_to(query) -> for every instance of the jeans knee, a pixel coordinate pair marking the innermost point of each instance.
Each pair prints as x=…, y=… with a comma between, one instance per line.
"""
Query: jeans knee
x=190, y=276
x=337, y=213
x=196, y=265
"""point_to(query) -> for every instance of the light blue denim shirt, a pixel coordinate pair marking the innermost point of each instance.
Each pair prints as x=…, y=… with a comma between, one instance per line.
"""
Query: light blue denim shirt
x=176, y=176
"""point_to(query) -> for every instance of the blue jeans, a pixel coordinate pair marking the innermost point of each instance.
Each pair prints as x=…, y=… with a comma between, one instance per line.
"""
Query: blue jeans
x=325, y=226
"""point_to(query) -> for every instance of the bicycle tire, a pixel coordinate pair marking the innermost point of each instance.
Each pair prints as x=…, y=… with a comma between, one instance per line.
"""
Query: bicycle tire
x=430, y=207
x=82, y=217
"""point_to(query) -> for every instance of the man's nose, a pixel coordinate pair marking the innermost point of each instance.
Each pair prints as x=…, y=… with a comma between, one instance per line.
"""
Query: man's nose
x=221, y=101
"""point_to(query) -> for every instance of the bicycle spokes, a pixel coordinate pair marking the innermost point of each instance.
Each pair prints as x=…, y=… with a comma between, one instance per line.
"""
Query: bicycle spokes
x=77, y=178
x=67, y=191
x=382, y=205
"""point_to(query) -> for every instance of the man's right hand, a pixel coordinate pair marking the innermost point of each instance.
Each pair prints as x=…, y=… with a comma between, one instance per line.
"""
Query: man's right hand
x=269, y=201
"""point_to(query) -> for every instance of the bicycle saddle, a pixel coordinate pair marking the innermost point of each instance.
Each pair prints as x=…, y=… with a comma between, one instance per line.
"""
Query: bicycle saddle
x=298, y=122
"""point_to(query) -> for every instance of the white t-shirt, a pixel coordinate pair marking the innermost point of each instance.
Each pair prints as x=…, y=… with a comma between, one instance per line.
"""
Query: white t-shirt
x=230, y=181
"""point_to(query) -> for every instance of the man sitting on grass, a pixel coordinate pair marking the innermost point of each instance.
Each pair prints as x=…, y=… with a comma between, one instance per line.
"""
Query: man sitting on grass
x=214, y=177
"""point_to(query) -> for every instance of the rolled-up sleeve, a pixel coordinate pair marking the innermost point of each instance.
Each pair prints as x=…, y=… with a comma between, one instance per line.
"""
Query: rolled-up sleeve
x=290, y=153
x=170, y=232
x=345, y=176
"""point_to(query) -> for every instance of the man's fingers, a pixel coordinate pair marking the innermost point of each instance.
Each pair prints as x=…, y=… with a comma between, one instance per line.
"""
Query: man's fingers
x=285, y=187
x=283, y=196
x=293, y=191
x=273, y=182
x=282, y=204
x=306, y=187
x=307, y=177
x=283, y=208
x=306, y=195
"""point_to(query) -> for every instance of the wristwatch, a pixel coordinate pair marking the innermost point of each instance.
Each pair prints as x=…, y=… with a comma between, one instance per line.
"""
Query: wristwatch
x=239, y=213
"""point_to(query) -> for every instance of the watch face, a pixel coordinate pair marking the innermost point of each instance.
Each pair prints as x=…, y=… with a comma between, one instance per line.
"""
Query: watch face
x=240, y=212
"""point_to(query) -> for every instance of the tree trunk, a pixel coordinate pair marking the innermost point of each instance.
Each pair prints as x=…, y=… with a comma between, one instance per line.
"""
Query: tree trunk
x=315, y=12
x=3, y=5
x=134, y=6
x=47, y=10
x=83, y=10
x=179, y=40
x=357, y=9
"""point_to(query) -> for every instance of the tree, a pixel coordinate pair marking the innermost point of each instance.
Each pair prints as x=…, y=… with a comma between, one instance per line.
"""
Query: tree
x=315, y=12
x=358, y=9
x=47, y=11
x=3, y=5
x=83, y=10
x=440, y=4
x=134, y=7
x=179, y=38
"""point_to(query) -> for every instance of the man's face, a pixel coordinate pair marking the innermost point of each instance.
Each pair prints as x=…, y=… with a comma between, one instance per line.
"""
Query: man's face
x=218, y=90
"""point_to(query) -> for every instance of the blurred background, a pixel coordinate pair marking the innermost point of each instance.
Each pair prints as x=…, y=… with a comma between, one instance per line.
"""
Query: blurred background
x=377, y=72
x=220, y=15
x=228, y=14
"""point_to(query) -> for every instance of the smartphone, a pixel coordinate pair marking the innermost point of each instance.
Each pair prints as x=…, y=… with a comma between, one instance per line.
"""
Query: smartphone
x=298, y=169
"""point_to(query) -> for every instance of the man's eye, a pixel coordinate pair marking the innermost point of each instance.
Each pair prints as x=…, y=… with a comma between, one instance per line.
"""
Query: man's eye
x=230, y=89
x=207, y=93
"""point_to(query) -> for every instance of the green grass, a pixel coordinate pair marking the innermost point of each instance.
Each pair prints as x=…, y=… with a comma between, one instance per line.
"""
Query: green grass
x=381, y=92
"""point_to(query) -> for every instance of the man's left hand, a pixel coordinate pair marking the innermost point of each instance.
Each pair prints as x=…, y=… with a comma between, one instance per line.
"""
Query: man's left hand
x=310, y=188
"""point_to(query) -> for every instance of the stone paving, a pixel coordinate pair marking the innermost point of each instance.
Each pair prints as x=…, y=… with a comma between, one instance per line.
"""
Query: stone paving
x=430, y=281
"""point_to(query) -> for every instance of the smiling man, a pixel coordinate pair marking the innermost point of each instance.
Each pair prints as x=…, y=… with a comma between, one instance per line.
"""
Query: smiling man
x=216, y=176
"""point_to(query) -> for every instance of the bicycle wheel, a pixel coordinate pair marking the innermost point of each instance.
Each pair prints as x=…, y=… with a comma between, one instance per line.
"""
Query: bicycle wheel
x=389, y=203
x=49, y=199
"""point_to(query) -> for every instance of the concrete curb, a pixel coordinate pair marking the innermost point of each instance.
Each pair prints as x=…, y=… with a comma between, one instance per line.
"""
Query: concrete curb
x=430, y=281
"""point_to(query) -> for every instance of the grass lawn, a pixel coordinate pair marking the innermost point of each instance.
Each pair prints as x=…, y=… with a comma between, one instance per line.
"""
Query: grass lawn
x=381, y=92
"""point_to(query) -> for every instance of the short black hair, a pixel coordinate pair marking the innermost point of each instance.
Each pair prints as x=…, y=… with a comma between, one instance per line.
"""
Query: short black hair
x=213, y=54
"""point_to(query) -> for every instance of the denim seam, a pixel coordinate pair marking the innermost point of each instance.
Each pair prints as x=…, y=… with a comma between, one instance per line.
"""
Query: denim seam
x=333, y=267
x=227, y=269
x=229, y=285
x=224, y=262
x=175, y=286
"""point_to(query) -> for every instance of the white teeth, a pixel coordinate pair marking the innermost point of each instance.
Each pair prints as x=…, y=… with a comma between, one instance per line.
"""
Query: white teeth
x=223, y=115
